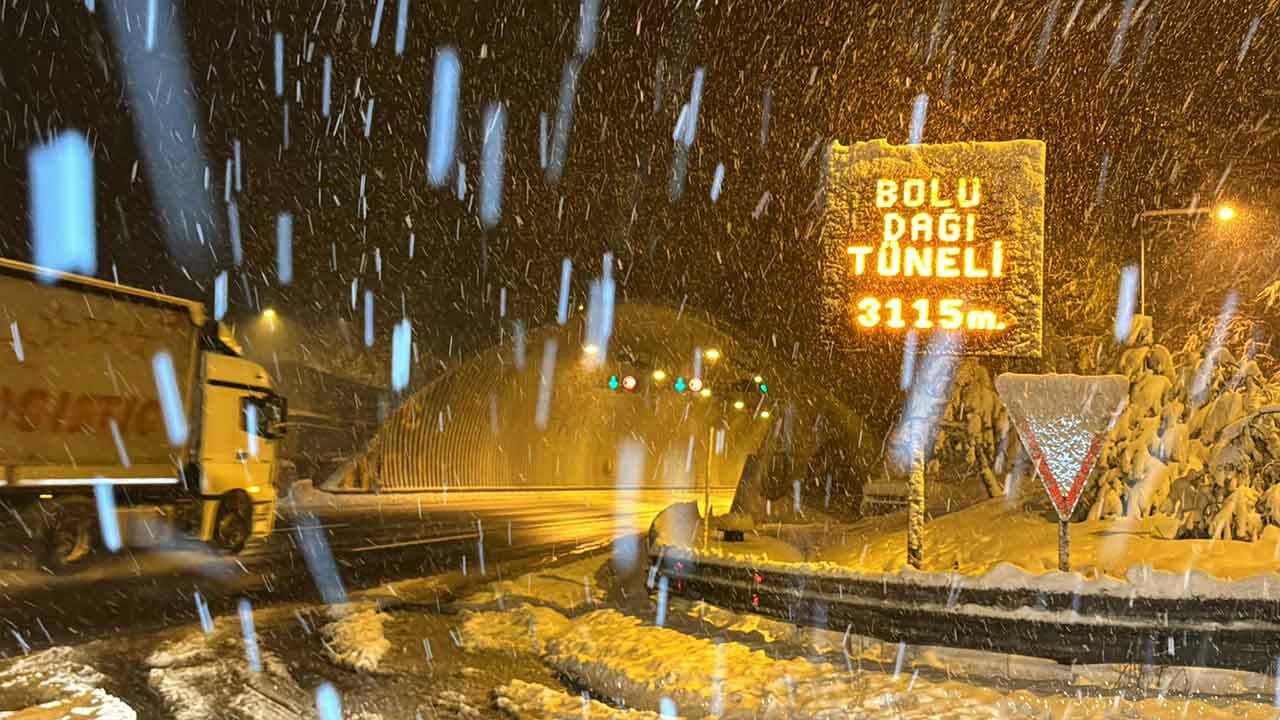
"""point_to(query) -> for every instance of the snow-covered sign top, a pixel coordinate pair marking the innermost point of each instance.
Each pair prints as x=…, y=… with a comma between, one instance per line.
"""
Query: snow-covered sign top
x=1062, y=420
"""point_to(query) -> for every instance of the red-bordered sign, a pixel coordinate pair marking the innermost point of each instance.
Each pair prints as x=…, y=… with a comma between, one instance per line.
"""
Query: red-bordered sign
x=1063, y=421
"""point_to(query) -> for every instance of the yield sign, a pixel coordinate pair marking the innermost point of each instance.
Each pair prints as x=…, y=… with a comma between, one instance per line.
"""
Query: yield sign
x=1063, y=421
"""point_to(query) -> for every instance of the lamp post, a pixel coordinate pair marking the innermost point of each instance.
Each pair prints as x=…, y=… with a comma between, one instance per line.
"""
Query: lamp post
x=1223, y=213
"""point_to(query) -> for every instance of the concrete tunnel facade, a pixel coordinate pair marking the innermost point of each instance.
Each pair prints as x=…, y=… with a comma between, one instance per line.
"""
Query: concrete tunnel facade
x=538, y=413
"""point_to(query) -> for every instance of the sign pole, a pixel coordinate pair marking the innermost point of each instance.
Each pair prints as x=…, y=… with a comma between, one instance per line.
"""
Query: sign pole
x=706, y=495
x=1064, y=546
x=1063, y=421
x=915, y=510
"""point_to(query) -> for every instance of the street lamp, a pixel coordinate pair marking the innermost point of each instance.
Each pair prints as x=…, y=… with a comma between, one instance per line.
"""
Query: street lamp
x=1223, y=212
x=269, y=315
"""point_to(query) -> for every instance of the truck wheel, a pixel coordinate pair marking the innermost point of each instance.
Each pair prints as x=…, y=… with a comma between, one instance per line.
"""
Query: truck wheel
x=234, y=524
x=69, y=532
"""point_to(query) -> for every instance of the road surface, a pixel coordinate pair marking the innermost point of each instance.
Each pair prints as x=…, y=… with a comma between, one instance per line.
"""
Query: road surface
x=372, y=539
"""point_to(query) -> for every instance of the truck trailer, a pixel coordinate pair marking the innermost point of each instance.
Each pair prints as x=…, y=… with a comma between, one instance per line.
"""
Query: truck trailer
x=116, y=399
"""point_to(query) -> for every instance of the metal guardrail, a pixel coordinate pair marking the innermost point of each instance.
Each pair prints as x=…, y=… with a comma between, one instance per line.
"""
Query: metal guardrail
x=1070, y=628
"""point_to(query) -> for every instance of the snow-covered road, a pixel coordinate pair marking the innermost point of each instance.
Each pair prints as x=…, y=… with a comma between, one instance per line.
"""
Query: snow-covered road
x=576, y=638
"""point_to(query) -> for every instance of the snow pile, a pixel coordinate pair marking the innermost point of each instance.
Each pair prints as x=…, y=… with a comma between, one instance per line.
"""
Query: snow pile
x=456, y=705
x=531, y=701
x=766, y=628
x=526, y=628
x=638, y=665
x=201, y=675
x=356, y=639
x=569, y=588
x=631, y=663
x=56, y=683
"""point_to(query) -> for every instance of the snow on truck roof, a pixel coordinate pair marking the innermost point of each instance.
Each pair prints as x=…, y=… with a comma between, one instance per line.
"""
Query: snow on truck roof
x=195, y=309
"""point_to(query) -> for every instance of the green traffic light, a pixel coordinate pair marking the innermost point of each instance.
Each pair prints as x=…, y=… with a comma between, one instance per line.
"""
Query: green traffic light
x=764, y=388
x=613, y=382
x=680, y=385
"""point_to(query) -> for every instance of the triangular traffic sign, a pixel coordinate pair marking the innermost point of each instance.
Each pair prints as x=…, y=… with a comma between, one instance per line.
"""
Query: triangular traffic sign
x=1063, y=421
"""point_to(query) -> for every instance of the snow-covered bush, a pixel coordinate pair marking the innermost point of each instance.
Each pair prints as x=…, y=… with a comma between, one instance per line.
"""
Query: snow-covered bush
x=1197, y=440
x=974, y=435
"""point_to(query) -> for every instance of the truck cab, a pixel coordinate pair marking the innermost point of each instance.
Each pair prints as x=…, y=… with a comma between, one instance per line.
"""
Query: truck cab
x=242, y=421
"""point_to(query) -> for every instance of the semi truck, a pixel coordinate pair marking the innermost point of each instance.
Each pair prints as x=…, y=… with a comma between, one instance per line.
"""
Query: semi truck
x=118, y=400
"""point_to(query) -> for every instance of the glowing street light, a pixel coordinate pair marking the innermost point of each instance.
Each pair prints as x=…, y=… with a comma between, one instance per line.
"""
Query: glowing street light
x=711, y=354
x=659, y=375
x=591, y=349
x=269, y=314
x=738, y=404
x=1223, y=212
x=764, y=414
x=705, y=392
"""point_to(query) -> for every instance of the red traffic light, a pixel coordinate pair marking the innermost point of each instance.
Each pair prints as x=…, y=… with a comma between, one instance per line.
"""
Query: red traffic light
x=628, y=382
x=695, y=385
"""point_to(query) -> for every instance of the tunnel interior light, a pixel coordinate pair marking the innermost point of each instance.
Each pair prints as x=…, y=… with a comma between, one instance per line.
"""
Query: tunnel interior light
x=706, y=392
x=680, y=385
x=614, y=384
x=659, y=375
x=738, y=404
x=695, y=384
x=628, y=382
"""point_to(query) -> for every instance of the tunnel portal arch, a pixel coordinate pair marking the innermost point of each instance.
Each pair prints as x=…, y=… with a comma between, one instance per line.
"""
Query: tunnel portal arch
x=480, y=426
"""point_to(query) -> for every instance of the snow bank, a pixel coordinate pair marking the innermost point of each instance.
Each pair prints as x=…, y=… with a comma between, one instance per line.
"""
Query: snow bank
x=57, y=683
x=531, y=701
x=998, y=545
x=356, y=640
x=638, y=665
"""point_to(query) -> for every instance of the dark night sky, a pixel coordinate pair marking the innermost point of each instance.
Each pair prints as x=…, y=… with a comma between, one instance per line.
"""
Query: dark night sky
x=1170, y=118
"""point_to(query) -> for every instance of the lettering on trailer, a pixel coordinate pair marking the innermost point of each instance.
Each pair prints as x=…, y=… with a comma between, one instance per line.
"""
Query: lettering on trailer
x=41, y=410
x=935, y=237
x=1063, y=421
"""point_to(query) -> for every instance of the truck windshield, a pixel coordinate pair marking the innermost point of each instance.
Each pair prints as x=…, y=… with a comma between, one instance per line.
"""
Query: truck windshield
x=265, y=416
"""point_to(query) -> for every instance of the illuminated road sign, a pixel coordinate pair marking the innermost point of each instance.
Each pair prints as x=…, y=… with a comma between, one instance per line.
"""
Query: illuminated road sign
x=935, y=237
